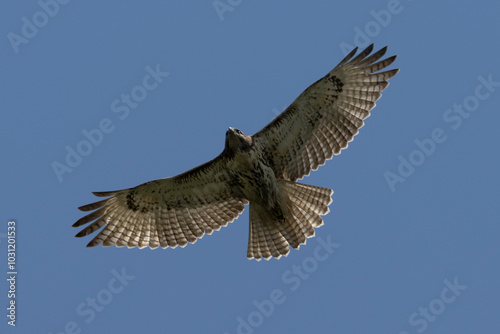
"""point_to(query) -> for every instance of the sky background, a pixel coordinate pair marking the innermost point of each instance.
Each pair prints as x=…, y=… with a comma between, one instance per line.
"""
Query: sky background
x=409, y=257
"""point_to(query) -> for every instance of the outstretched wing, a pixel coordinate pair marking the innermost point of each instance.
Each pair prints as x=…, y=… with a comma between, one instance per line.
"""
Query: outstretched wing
x=326, y=116
x=166, y=212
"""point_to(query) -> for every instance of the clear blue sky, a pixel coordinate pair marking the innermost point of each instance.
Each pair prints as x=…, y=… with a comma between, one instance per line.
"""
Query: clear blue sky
x=414, y=220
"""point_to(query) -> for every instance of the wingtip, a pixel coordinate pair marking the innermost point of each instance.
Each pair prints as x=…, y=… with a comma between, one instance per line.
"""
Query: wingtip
x=369, y=48
x=94, y=206
x=383, y=51
x=103, y=193
x=91, y=244
x=348, y=57
x=80, y=222
x=391, y=59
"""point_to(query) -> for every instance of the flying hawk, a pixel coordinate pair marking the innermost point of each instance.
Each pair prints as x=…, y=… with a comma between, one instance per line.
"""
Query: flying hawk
x=260, y=170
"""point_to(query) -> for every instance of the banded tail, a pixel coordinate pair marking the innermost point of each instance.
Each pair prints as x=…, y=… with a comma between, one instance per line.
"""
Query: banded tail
x=304, y=205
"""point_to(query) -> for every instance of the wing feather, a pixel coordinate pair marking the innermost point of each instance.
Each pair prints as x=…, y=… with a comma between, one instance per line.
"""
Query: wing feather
x=165, y=213
x=327, y=115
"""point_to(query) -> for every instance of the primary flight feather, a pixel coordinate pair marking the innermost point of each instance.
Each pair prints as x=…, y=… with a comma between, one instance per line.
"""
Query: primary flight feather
x=260, y=170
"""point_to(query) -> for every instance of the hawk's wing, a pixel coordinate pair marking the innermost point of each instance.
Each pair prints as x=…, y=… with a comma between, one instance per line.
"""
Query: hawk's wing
x=166, y=212
x=326, y=116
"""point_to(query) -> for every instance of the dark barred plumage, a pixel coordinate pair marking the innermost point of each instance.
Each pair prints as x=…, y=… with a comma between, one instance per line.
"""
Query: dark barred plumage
x=260, y=170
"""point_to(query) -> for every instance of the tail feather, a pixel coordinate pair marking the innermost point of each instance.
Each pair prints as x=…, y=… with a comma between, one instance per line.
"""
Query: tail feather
x=277, y=242
x=306, y=221
x=265, y=239
x=303, y=207
x=253, y=239
x=263, y=242
x=292, y=232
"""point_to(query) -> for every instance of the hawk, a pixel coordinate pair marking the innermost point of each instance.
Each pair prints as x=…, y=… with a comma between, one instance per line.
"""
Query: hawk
x=260, y=170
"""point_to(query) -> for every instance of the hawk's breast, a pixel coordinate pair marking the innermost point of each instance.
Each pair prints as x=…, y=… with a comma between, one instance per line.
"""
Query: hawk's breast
x=255, y=178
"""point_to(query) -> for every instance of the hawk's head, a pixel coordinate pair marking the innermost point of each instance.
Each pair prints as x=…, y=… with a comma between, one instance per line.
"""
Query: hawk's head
x=237, y=141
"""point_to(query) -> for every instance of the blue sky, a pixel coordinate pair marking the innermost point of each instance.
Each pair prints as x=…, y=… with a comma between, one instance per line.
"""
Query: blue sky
x=411, y=242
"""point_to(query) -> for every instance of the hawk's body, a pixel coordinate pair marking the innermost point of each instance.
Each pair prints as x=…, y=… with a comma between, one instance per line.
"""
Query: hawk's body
x=260, y=170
